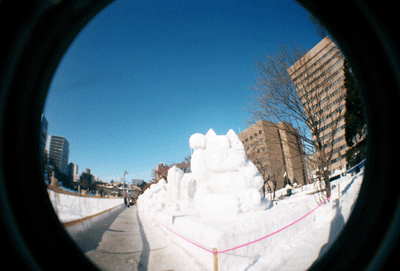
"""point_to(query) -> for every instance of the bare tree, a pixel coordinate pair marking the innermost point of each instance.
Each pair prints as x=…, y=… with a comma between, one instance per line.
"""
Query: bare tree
x=302, y=104
x=267, y=163
x=185, y=164
x=319, y=28
x=160, y=172
x=270, y=174
x=279, y=163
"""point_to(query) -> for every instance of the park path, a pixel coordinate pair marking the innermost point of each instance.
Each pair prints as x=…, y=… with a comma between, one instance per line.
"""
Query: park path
x=123, y=241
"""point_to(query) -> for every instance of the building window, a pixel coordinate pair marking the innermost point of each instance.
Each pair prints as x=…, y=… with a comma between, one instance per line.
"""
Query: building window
x=260, y=132
x=247, y=139
x=258, y=151
x=251, y=137
x=262, y=140
x=255, y=134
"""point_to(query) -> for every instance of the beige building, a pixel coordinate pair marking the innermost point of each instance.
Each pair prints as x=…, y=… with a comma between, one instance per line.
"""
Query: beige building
x=275, y=150
x=319, y=81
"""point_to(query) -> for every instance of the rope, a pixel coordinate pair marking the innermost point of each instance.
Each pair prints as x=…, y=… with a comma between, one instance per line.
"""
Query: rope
x=249, y=243
x=184, y=238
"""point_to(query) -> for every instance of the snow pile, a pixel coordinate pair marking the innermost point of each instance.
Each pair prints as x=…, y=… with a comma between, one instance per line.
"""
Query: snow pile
x=153, y=199
x=294, y=248
x=298, y=249
x=219, y=205
x=71, y=207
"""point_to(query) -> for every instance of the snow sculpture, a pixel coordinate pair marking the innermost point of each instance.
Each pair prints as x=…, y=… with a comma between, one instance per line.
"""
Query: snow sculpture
x=188, y=190
x=222, y=184
x=155, y=197
x=227, y=183
x=174, y=185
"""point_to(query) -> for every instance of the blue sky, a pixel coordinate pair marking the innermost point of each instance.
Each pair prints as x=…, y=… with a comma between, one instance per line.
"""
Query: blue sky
x=143, y=76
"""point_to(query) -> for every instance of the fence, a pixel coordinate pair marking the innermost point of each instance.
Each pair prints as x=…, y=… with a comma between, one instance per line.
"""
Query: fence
x=356, y=168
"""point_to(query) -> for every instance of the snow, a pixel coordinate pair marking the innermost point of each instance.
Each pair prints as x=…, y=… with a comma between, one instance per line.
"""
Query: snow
x=299, y=249
x=294, y=248
x=223, y=183
x=219, y=206
x=73, y=207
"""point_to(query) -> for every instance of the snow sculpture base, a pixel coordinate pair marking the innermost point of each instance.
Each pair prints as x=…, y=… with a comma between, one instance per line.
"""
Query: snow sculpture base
x=216, y=205
x=297, y=232
x=222, y=235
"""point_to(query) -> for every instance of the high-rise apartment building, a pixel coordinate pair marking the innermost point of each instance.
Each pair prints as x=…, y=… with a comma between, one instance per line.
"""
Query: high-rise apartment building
x=319, y=81
x=275, y=148
x=43, y=136
x=58, y=151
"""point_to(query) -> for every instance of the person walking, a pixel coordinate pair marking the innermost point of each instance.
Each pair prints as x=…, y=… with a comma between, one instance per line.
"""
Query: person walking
x=127, y=201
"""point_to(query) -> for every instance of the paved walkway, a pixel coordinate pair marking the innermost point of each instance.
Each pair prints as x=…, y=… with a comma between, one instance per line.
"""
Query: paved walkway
x=123, y=242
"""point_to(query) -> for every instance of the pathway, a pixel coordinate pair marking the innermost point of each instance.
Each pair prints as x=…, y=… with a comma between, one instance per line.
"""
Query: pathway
x=123, y=242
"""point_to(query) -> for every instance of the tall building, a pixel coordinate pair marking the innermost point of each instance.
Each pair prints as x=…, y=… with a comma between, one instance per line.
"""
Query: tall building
x=86, y=179
x=319, y=81
x=43, y=136
x=73, y=172
x=160, y=171
x=276, y=149
x=58, y=150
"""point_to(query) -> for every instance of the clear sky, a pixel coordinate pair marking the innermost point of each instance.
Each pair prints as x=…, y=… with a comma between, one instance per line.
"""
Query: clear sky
x=143, y=76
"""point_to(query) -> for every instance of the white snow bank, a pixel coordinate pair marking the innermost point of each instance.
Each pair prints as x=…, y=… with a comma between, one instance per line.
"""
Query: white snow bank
x=70, y=207
x=294, y=248
x=301, y=248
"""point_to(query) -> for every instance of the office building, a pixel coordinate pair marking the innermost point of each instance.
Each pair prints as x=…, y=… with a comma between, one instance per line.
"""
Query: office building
x=58, y=151
x=86, y=179
x=137, y=182
x=319, y=81
x=73, y=172
x=277, y=149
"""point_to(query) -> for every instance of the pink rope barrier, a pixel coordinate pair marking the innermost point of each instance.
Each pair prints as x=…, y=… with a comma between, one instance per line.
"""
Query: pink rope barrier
x=252, y=242
x=206, y=249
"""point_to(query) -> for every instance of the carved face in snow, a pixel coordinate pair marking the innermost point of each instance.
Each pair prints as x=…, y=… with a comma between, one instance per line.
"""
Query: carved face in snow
x=216, y=153
x=224, y=153
x=218, y=142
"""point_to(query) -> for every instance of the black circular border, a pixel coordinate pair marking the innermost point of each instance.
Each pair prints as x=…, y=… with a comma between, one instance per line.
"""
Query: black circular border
x=35, y=35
